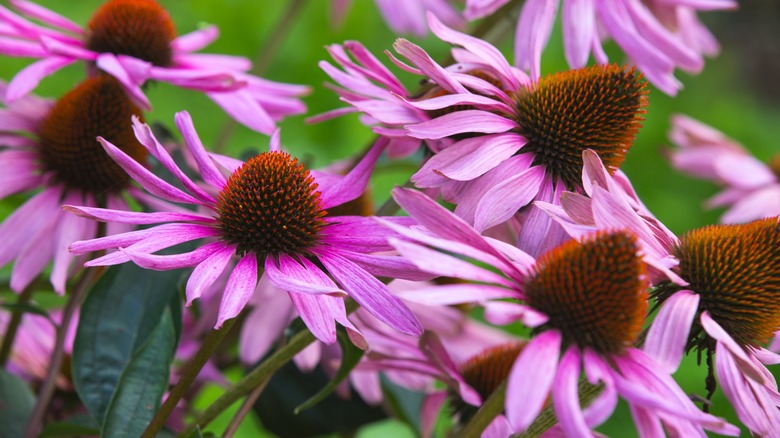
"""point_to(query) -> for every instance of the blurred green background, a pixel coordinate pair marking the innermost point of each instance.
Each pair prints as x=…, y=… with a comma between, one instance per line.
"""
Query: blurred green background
x=737, y=93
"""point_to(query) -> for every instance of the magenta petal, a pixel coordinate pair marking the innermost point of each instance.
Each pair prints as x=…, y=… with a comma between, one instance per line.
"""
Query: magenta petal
x=239, y=289
x=566, y=395
x=420, y=59
x=30, y=216
x=433, y=349
x=111, y=64
x=578, y=31
x=206, y=166
x=748, y=367
x=533, y=31
x=504, y=200
x=37, y=250
x=668, y=334
x=69, y=230
x=460, y=122
x=196, y=40
x=314, y=313
x=265, y=323
x=148, y=180
x=175, y=261
x=29, y=78
x=531, y=378
x=244, y=109
x=132, y=217
x=354, y=183
x=371, y=294
x=207, y=272
x=289, y=275
x=429, y=412
x=450, y=294
x=47, y=16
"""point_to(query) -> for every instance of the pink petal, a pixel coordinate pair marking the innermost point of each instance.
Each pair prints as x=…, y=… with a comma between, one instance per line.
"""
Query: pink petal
x=451, y=294
x=69, y=230
x=206, y=166
x=746, y=365
x=578, y=31
x=371, y=294
x=668, y=334
x=29, y=77
x=109, y=63
x=460, y=122
x=315, y=314
x=566, y=395
x=531, y=379
x=207, y=272
x=354, y=183
x=33, y=215
x=293, y=277
x=245, y=110
x=429, y=412
x=194, y=41
x=175, y=261
x=134, y=217
x=428, y=67
x=533, y=31
x=239, y=289
x=265, y=323
x=504, y=200
x=47, y=16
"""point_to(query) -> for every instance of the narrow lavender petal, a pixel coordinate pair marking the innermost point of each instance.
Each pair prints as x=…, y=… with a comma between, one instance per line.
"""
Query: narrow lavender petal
x=176, y=261
x=532, y=33
x=17, y=228
x=531, y=379
x=289, y=275
x=504, y=200
x=18, y=172
x=194, y=41
x=362, y=234
x=431, y=345
x=70, y=229
x=144, y=134
x=37, y=250
x=371, y=294
x=565, y=394
x=207, y=272
x=748, y=367
x=460, y=122
x=428, y=67
x=208, y=170
x=265, y=323
x=110, y=63
x=668, y=334
x=315, y=314
x=47, y=16
x=389, y=266
x=29, y=77
x=354, y=183
x=453, y=294
x=244, y=109
x=602, y=407
x=239, y=289
x=148, y=180
x=135, y=217
x=578, y=31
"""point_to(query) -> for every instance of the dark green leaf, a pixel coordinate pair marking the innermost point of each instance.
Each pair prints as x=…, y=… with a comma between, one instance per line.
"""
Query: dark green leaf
x=27, y=308
x=116, y=318
x=406, y=404
x=78, y=425
x=16, y=404
x=142, y=384
x=350, y=356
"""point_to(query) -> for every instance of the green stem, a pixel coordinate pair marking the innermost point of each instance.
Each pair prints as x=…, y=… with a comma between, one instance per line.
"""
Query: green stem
x=188, y=376
x=264, y=58
x=244, y=410
x=13, y=325
x=547, y=419
x=489, y=410
x=85, y=282
x=256, y=377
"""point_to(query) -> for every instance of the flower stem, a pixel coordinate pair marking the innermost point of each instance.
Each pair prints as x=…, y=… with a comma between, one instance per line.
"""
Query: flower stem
x=13, y=325
x=264, y=58
x=255, y=378
x=244, y=410
x=188, y=376
x=547, y=419
x=85, y=282
x=492, y=407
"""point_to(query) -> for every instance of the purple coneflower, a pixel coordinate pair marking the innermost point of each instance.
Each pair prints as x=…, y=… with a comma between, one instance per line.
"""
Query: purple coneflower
x=135, y=41
x=52, y=146
x=406, y=16
x=657, y=35
x=752, y=188
x=523, y=141
x=271, y=214
x=730, y=307
x=586, y=301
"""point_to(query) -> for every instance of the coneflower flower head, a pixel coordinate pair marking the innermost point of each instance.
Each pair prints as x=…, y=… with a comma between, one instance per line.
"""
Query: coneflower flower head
x=563, y=114
x=68, y=146
x=729, y=309
x=54, y=146
x=136, y=42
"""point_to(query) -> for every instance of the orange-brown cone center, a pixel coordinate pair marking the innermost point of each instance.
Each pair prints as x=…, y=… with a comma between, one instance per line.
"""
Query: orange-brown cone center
x=594, y=292
x=598, y=107
x=735, y=269
x=68, y=146
x=137, y=28
x=271, y=205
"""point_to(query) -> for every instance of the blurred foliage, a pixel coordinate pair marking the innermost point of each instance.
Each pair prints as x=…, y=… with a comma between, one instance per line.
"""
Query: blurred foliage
x=733, y=93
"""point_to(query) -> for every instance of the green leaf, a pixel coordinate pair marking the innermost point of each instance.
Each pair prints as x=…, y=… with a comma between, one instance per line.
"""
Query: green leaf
x=27, y=308
x=117, y=317
x=16, y=404
x=78, y=425
x=350, y=356
x=142, y=384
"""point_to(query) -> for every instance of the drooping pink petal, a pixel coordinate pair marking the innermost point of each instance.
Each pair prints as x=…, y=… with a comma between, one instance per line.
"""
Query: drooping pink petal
x=196, y=40
x=371, y=294
x=748, y=367
x=531, y=378
x=504, y=200
x=289, y=275
x=578, y=30
x=70, y=228
x=430, y=68
x=265, y=323
x=17, y=228
x=207, y=272
x=533, y=31
x=668, y=335
x=134, y=217
x=174, y=261
x=29, y=77
x=452, y=294
x=505, y=313
x=565, y=394
x=354, y=183
x=429, y=412
x=315, y=315
x=239, y=289
x=460, y=122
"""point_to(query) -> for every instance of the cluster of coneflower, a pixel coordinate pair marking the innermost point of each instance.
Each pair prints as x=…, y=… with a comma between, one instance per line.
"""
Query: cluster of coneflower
x=517, y=219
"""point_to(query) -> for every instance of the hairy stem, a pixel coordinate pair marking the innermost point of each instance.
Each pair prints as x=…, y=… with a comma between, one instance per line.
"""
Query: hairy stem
x=489, y=410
